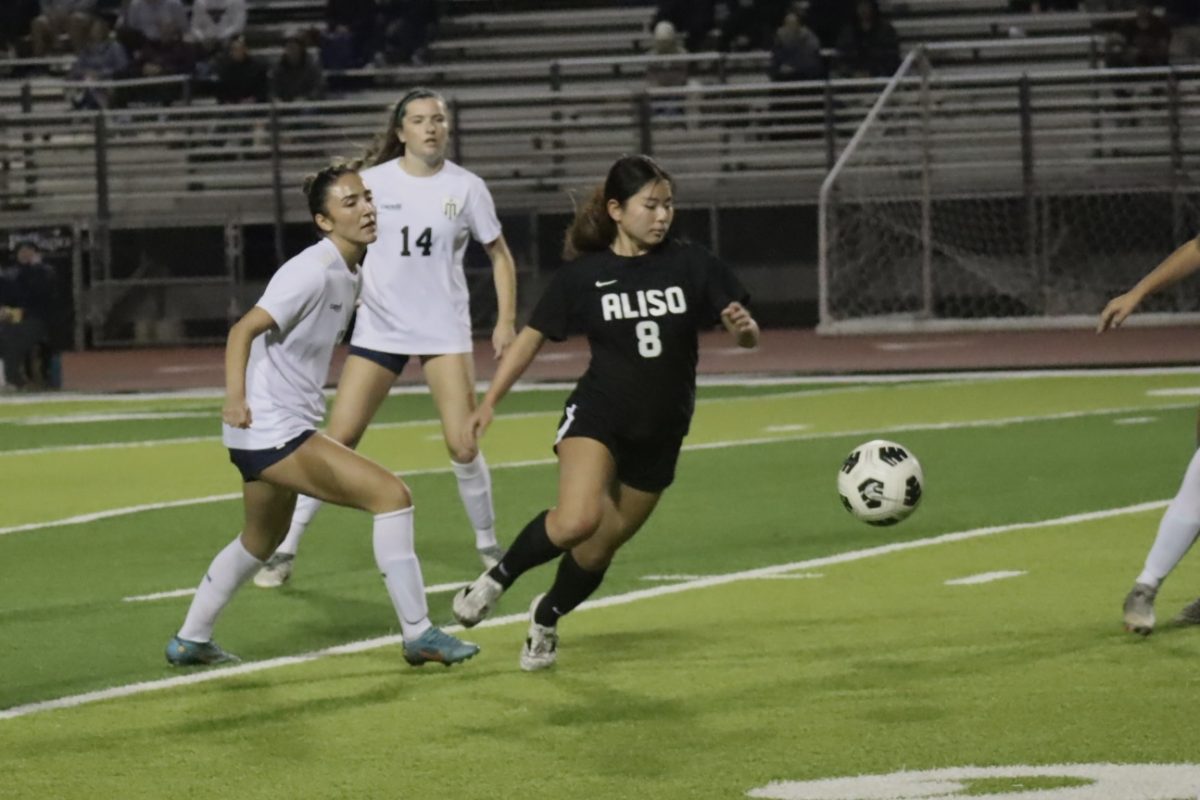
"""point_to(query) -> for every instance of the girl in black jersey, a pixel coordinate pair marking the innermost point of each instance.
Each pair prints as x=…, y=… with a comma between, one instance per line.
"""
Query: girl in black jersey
x=640, y=297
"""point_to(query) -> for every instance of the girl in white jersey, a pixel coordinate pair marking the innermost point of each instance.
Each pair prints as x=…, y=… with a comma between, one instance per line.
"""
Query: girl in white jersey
x=1180, y=524
x=415, y=303
x=276, y=360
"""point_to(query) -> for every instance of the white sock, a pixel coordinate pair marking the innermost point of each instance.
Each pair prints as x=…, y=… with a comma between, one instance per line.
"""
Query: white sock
x=306, y=508
x=475, y=489
x=396, y=559
x=232, y=567
x=1178, y=529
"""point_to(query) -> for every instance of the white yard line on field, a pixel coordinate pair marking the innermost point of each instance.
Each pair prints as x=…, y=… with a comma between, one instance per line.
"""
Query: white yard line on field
x=986, y=577
x=803, y=437
x=220, y=673
x=437, y=588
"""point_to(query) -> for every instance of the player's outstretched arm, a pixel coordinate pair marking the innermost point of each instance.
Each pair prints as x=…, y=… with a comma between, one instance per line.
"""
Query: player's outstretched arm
x=237, y=354
x=516, y=360
x=1175, y=267
x=737, y=320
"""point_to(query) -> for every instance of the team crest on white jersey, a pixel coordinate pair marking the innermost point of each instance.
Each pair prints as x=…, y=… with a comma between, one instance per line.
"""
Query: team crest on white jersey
x=450, y=207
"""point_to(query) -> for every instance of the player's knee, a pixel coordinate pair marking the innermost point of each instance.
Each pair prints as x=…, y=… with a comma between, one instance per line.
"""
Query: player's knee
x=460, y=453
x=394, y=496
x=572, y=526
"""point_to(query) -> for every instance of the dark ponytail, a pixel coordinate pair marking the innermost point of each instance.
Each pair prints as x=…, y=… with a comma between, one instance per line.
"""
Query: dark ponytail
x=593, y=230
x=316, y=186
x=389, y=146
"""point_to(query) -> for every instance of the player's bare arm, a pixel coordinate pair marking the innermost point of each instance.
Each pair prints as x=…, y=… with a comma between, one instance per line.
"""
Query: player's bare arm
x=1174, y=268
x=516, y=360
x=255, y=323
x=504, y=274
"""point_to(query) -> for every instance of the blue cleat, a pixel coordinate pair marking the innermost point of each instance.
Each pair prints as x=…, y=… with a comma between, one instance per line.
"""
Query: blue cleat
x=184, y=653
x=437, y=645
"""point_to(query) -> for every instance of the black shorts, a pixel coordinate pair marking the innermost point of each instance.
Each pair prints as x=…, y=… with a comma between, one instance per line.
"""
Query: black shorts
x=646, y=464
x=251, y=463
x=390, y=361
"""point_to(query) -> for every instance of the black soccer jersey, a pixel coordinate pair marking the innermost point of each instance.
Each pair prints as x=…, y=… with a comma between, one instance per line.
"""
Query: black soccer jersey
x=641, y=315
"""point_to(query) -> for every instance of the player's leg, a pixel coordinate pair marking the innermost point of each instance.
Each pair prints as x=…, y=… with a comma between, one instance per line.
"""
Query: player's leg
x=329, y=470
x=586, y=470
x=267, y=511
x=451, y=380
x=1177, y=531
x=581, y=570
x=362, y=388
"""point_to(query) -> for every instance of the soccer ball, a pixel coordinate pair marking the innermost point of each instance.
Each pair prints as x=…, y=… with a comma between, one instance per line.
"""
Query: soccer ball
x=880, y=482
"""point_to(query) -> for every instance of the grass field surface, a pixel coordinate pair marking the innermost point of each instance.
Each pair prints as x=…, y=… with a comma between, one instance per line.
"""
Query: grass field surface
x=753, y=640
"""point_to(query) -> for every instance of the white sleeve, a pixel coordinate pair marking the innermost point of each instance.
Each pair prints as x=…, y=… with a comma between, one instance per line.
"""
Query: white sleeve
x=293, y=293
x=202, y=24
x=481, y=213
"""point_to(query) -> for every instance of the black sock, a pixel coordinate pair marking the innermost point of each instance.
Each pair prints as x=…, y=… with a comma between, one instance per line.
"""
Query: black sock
x=530, y=549
x=572, y=585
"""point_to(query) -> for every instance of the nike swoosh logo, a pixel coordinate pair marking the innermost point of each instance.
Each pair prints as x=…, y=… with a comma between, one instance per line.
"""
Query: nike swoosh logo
x=600, y=284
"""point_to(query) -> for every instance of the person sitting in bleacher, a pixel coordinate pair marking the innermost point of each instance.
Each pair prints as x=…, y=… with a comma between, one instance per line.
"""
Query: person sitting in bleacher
x=796, y=52
x=216, y=23
x=869, y=46
x=102, y=59
x=1183, y=16
x=61, y=27
x=240, y=77
x=297, y=75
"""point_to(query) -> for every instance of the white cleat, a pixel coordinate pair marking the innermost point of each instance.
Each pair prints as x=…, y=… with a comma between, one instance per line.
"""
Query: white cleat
x=276, y=572
x=476, y=600
x=491, y=555
x=541, y=645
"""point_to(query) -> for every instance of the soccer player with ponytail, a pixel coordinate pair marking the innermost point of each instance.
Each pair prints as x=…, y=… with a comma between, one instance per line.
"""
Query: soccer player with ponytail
x=641, y=297
x=276, y=360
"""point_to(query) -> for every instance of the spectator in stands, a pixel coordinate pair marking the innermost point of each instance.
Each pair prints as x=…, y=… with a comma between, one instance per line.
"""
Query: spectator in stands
x=796, y=53
x=216, y=23
x=102, y=59
x=27, y=300
x=169, y=55
x=869, y=47
x=666, y=73
x=1183, y=16
x=62, y=26
x=240, y=77
x=1143, y=41
x=151, y=21
x=297, y=75
x=16, y=22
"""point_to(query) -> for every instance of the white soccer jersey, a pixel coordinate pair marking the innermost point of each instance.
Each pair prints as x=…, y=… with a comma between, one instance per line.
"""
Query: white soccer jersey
x=311, y=298
x=414, y=298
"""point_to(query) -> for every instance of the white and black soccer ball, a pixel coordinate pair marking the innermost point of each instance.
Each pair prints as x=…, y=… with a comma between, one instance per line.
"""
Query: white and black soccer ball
x=881, y=482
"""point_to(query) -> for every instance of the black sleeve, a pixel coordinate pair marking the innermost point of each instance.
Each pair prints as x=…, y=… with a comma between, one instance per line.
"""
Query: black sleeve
x=552, y=315
x=721, y=287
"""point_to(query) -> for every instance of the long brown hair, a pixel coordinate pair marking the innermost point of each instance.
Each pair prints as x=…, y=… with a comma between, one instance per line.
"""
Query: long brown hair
x=388, y=145
x=593, y=230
